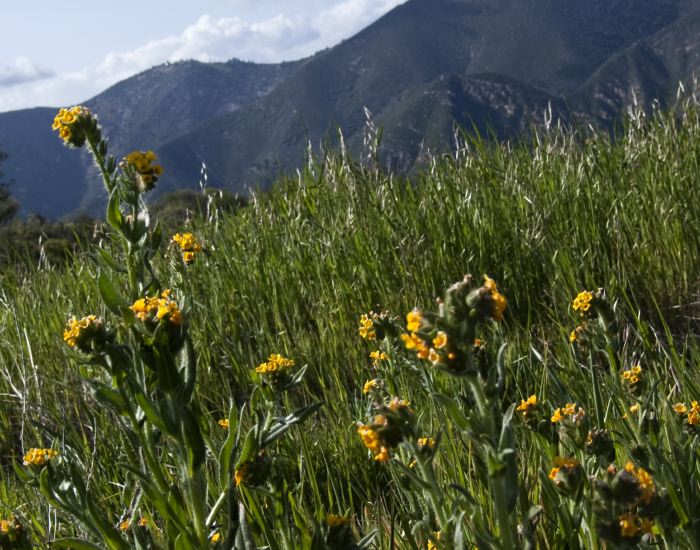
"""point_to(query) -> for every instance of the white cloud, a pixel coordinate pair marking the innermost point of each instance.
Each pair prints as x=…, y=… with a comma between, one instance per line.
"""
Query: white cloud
x=285, y=36
x=21, y=70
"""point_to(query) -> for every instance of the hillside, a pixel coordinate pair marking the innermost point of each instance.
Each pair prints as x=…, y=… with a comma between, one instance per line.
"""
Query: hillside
x=422, y=67
x=589, y=375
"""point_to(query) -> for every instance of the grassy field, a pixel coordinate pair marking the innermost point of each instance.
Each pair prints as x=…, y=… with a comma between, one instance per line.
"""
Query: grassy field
x=292, y=273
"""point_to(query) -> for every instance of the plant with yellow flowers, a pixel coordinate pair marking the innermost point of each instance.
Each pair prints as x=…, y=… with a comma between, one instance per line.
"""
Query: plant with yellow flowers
x=443, y=341
x=140, y=364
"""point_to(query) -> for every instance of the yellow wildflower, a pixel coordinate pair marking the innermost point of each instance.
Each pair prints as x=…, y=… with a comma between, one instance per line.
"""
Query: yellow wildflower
x=276, y=363
x=39, y=457
x=582, y=302
x=216, y=537
x=680, y=408
x=440, y=340
x=629, y=525
x=367, y=328
x=78, y=331
x=371, y=440
x=66, y=122
x=498, y=301
x=224, y=423
x=142, y=164
x=370, y=385
x=561, y=413
x=143, y=522
x=124, y=525
x=413, y=320
x=240, y=474
x=426, y=443
x=526, y=407
x=378, y=356
x=333, y=520
x=634, y=408
x=189, y=246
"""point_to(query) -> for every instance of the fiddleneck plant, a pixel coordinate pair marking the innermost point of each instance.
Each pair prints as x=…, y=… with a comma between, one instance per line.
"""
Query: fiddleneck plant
x=141, y=364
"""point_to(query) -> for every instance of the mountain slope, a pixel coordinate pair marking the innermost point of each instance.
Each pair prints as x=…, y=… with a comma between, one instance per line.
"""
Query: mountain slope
x=490, y=64
x=140, y=112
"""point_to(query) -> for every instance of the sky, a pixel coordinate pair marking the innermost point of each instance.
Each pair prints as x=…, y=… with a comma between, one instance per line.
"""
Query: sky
x=59, y=53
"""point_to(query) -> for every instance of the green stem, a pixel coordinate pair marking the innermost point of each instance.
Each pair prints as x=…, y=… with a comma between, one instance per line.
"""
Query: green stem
x=100, y=164
x=434, y=491
x=499, y=494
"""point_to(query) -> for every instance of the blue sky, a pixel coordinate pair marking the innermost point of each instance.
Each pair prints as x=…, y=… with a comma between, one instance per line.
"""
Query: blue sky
x=59, y=53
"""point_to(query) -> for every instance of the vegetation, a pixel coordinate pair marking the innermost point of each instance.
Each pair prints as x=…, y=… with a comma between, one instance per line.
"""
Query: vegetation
x=552, y=404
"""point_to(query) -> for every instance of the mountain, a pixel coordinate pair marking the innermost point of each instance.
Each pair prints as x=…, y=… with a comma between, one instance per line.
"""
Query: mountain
x=493, y=65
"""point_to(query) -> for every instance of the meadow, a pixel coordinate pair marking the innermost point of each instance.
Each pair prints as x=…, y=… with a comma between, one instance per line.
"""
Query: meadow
x=308, y=454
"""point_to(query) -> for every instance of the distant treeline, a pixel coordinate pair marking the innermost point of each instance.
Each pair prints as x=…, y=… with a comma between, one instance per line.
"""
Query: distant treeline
x=37, y=240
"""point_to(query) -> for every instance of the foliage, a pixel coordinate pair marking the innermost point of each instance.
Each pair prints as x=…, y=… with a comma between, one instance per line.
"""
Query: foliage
x=558, y=426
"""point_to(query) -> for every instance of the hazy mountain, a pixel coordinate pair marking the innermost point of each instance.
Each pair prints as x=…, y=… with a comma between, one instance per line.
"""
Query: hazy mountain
x=494, y=65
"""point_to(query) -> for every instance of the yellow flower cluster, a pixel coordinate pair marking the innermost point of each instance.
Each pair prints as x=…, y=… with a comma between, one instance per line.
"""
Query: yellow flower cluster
x=8, y=526
x=147, y=172
x=224, y=423
x=64, y=123
x=631, y=525
x=569, y=410
x=377, y=356
x=370, y=385
x=498, y=301
x=528, y=406
x=633, y=375
x=426, y=443
x=124, y=525
x=432, y=545
x=645, y=481
x=76, y=328
x=692, y=414
x=582, y=302
x=216, y=537
x=438, y=352
x=241, y=473
x=560, y=463
x=276, y=363
x=366, y=329
x=39, y=457
x=373, y=442
x=333, y=520
x=164, y=307
x=189, y=246
x=577, y=333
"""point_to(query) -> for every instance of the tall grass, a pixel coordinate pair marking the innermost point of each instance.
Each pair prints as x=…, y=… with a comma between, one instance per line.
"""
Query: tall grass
x=293, y=271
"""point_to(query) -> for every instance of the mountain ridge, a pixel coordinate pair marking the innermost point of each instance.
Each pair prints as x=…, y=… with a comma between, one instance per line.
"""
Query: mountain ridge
x=493, y=65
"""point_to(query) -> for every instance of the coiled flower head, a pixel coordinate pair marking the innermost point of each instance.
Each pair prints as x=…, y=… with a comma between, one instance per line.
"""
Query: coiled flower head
x=147, y=173
x=70, y=125
x=86, y=334
x=189, y=246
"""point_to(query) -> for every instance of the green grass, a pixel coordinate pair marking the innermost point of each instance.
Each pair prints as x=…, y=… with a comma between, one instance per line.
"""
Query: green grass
x=293, y=271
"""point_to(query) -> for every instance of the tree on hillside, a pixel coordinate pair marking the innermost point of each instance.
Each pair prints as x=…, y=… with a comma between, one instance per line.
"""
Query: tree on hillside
x=8, y=205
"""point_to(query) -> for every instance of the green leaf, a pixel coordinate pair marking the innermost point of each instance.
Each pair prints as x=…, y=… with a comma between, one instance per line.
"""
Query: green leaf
x=284, y=424
x=110, y=261
x=114, y=214
x=192, y=436
x=454, y=412
x=250, y=447
x=188, y=370
x=151, y=413
x=226, y=453
x=113, y=300
x=110, y=397
x=75, y=544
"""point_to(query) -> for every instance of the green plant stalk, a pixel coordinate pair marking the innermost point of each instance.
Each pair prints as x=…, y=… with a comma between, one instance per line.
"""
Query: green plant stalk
x=499, y=498
x=437, y=498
